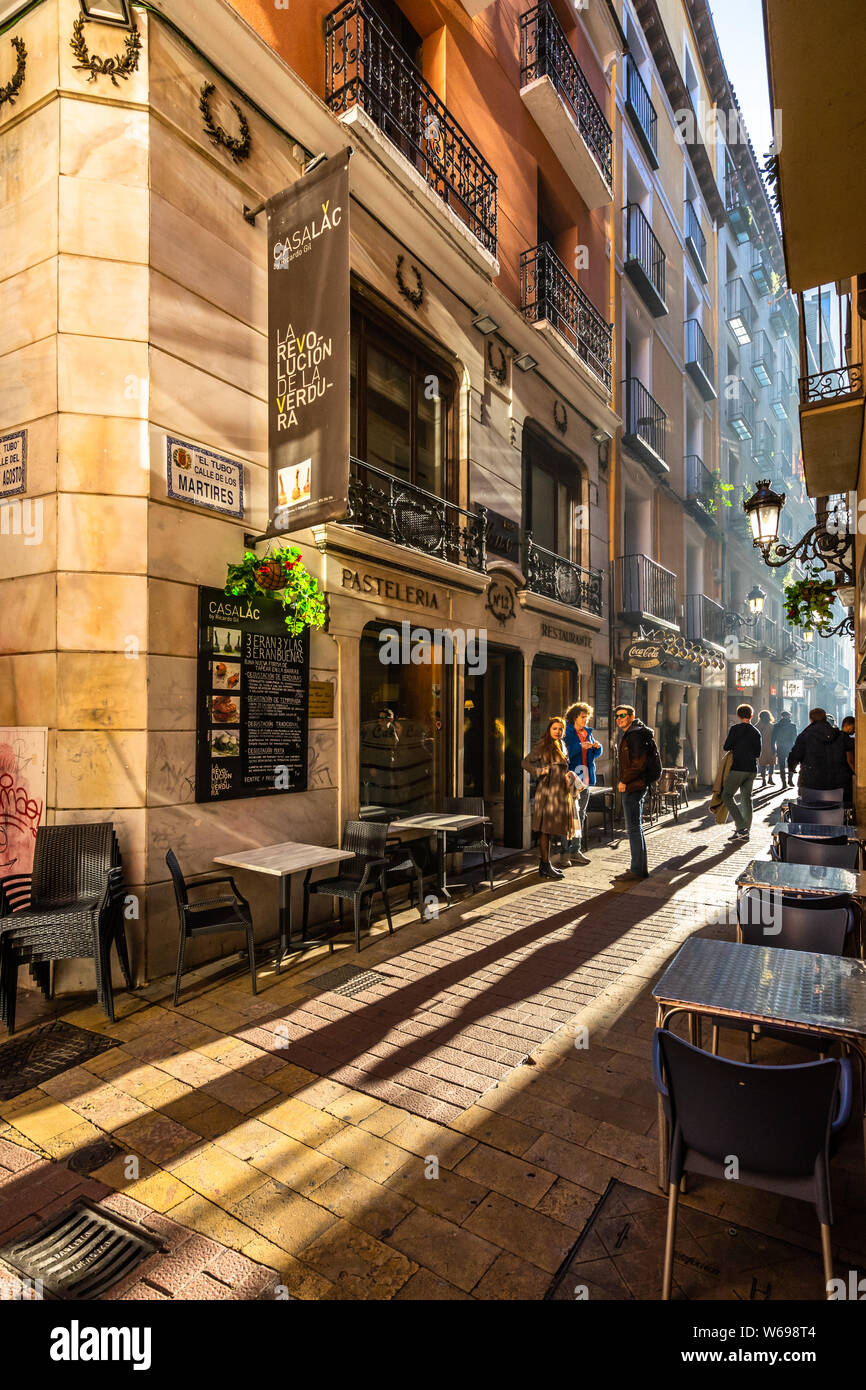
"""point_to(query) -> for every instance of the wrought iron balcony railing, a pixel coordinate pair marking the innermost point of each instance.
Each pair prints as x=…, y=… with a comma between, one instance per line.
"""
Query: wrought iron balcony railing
x=784, y=319
x=553, y=576
x=647, y=589
x=645, y=425
x=640, y=108
x=548, y=291
x=695, y=240
x=366, y=66
x=398, y=511
x=785, y=453
x=740, y=312
x=741, y=411
x=762, y=358
x=761, y=270
x=700, y=485
x=763, y=445
x=737, y=207
x=833, y=384
x=644, y=259
x=705, y=619
x=700, y=360
x=780, y=396
x=546, y=52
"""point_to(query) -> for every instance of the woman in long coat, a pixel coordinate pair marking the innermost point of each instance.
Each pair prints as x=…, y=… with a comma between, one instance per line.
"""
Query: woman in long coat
x=767, y=760
x=553, y=805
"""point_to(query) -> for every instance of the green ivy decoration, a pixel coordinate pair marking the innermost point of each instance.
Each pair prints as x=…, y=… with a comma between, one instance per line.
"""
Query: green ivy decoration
x=237, y=146
x=282, y=574
x=113, y=67
x=720, y=497
x=809, y=601
x=12, y=88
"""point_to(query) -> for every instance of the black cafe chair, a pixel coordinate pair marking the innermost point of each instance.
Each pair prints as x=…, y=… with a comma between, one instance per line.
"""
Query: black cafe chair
x=782, y=1123
x=207, y=915
x=477, y=839
x=838, y=856
x=780, y=852
x=814, y=796
x=358, y=878
x=802, y=814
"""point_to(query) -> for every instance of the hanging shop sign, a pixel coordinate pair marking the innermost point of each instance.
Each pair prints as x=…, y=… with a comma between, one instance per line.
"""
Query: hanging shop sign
x=644, y=654
x=747, y=675
x=308, y=348
x=204, y=478
x=253, y=697
x=792, y=690
x=13, y=463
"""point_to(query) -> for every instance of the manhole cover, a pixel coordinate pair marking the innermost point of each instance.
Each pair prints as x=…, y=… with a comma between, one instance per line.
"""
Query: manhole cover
x=349, y=979
x=93, y=1156
x=80, y=1253
x=47, y=1051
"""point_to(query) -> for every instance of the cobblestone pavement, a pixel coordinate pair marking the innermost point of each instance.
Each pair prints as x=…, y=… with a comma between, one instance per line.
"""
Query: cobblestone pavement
x=445, y=1133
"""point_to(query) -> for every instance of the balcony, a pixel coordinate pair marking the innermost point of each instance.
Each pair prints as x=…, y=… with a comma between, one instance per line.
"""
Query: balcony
x=553, y=576
x=644, y=426
x=738, y=208
x=647, y=591
x=385, y=506
x=740, y=312
x=701, y=499
x=784, y=319
x=550, y=294
x=766, y=635
x=780, y=396
x=785, y=454
x=705, y=620
x=643, y=113
x=366, y=69
x=831, y=427
x=741, y=412
x=700, y=362
x=763, y=445
x=762, y=359
x=761, y=271
x=696, y=242
x=645, y=260
x=555, y=91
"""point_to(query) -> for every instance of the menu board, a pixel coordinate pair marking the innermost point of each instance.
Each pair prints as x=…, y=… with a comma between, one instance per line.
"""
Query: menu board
x=253, y=699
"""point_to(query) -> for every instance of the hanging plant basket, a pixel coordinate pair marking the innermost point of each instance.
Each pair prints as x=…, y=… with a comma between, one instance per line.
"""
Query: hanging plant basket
x=281, y=573
x=809, y=601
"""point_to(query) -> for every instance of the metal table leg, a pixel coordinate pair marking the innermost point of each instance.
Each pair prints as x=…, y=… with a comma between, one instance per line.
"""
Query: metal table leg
x=285, y=918
x=442, y=887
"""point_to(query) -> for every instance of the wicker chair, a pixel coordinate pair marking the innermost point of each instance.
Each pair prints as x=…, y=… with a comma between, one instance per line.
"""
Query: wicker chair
x=477, y=839
x=358, y=878
x=68, y=908
x=207, y=915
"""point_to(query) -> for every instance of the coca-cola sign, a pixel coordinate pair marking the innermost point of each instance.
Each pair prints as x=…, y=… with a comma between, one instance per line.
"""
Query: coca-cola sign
x=643, y=654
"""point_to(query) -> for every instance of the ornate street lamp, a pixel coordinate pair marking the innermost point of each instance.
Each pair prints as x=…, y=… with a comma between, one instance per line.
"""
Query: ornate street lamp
x=755, y=599
x=763, y=509
x=827, y=542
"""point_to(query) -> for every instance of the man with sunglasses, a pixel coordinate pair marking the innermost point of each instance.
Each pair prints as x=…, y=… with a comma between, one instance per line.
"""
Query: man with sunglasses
x=637, y=750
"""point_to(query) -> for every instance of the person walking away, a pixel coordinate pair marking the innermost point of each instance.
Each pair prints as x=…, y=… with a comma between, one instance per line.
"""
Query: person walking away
x=821, y=753
x=582, y=748
x=783, y=737
x=744, y=744
x=639, y=765
x=553, y=804
x=848, y=727
x=767, y=758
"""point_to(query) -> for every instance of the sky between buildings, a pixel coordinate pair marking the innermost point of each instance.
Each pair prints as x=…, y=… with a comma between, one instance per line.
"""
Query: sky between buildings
x=740, y=27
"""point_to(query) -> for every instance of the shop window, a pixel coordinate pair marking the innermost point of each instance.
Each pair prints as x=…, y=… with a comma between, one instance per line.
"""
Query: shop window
x=401, y=404
x=403, y=734
x=552, y=497
x=555, y=685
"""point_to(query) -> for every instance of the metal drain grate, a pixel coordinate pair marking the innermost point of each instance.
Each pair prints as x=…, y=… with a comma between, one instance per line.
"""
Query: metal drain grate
x=349, y=979
x=80, y=1253
x=47, y=1051
x=92, y=1156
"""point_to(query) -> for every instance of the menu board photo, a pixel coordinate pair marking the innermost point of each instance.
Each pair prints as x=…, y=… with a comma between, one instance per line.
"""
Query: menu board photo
x=253, y=699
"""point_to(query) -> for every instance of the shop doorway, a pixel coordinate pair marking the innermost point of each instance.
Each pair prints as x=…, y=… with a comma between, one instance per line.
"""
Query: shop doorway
x=492, y=742
x=403, y=728
x=555, y=685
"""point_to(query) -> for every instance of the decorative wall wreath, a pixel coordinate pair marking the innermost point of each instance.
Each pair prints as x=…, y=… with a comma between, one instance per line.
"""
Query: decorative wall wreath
x=560, y=417
x=11, y=90
x=238, y=147
x=497, y=370
x=113, y=67
x=416, y=296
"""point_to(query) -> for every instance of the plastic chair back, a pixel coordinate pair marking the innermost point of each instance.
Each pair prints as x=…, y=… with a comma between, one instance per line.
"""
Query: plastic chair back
x=815, y=852
x=815, y=796
x=177, y=879
x=817, y=815
x=464, y=806
x=770, y=922
x=71, y=862
x=366, y=840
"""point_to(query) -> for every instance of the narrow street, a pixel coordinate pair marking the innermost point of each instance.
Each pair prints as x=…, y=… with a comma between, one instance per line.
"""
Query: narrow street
x=442, y=1129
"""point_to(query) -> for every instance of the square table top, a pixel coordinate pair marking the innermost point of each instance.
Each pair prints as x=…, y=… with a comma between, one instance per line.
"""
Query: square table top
x=802, y=878
x=433, y=820
x=820, y=832
x=288, y=858
x=768, y=985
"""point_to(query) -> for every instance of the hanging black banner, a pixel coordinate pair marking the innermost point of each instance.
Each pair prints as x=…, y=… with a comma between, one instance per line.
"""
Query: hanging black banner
x=308, y=348
x=253, y=699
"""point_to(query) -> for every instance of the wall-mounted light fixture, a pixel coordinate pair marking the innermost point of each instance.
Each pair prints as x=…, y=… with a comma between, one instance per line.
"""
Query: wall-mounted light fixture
x=485, y=324
x=602, y=439
x=108, y=11
x=525, y=362
x=11, y=9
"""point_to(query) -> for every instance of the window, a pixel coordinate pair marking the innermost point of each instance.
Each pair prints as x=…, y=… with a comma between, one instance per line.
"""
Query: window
x=552, y=493
x=403, y=730
x=401, y=403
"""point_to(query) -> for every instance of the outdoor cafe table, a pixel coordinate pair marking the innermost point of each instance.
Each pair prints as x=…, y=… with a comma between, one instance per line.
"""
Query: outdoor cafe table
x=442, y=826
x=281, y=861
x=802, y=880
x=852, y=833
x=767, y=986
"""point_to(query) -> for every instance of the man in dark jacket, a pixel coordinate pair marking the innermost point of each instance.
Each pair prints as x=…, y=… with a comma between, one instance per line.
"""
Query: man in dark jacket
x=820, y=752
x=783, y=737
x=848, y=728
x=635, y=743
x=744, y=743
